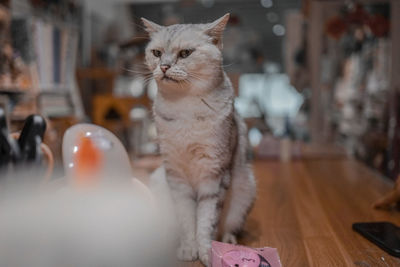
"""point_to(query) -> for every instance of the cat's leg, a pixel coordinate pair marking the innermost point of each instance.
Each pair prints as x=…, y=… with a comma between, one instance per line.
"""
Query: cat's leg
x=209, y=199
x=242, y=197
x=185, y=206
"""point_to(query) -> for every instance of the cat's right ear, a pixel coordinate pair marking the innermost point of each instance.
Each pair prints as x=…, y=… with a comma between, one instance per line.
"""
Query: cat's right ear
x=150, y=26
x=215, y=29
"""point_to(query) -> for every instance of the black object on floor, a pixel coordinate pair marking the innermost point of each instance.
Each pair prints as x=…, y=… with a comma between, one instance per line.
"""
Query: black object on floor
x=383, y=234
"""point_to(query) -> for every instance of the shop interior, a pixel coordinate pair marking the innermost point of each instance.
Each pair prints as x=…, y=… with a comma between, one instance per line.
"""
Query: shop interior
x=316, y=82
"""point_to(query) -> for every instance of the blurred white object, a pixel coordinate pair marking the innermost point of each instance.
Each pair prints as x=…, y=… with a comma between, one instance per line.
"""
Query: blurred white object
x=267, y=3
x=271, y=68
x=129, y=86
x=111, y=224
x=255, y=137
x=105, y=227
x=279, y=30
x=115, y=162
x=152, y=89
x=273, y=96
x=114, y=168
x=137, y=132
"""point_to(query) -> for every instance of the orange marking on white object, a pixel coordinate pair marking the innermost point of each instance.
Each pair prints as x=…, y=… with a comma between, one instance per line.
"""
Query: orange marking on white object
x=88, y=161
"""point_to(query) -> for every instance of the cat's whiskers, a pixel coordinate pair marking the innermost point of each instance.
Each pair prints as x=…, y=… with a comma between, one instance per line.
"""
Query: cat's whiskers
x=147, y=76
x=180, y=84
x=193, y=81
x=198, y=79
x=141, y=64
x=138, y=72
x=229, y=102
x=187, y=82
x=148, y=80
x=228, y=65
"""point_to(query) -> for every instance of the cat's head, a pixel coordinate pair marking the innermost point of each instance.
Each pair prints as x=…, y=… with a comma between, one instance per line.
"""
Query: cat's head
x=185, y=56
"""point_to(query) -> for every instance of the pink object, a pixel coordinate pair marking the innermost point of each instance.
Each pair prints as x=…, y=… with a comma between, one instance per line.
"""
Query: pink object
x=227, y=255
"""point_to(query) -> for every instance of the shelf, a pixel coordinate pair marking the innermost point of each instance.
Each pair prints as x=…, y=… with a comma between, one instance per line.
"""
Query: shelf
x=12, y=91
x=17, y=92
x=18, y=118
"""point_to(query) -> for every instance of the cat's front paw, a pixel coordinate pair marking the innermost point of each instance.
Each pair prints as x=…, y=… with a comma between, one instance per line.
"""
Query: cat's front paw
x=229, y=238
x=204, y=254
x=187, y=251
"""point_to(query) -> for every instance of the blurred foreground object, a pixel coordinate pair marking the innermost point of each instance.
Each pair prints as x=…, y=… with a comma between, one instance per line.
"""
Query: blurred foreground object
x=93, y=156
x=391, y=198
x=108, y=226
x=25, y=149
x=113, y=222
x=92, y=150
x=31, y=138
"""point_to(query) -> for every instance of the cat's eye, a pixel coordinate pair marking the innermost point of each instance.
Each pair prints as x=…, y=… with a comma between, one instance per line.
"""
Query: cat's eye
x=185, y=53
x=156, y=53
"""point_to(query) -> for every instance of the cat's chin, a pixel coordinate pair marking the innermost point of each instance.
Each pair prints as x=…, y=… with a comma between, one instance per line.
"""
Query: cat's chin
x=171, y=87
x=169, y=79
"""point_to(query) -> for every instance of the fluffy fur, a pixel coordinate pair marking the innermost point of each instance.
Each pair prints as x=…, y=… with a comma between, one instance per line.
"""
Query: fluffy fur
x=202, y=140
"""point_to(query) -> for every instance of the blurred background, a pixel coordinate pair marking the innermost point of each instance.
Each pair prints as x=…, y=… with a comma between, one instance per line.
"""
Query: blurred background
x=313, y=78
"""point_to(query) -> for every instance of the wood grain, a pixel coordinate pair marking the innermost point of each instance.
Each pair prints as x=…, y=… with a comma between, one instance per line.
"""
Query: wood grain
x=306, y=208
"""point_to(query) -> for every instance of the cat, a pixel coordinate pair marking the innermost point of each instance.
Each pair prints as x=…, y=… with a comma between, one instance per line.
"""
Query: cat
x=202, y=139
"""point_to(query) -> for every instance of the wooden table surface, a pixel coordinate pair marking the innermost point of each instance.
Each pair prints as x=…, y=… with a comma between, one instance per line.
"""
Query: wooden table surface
x=306, y=208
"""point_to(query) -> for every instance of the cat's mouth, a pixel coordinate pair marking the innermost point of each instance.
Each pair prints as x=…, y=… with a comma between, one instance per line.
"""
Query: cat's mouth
x=168, y=79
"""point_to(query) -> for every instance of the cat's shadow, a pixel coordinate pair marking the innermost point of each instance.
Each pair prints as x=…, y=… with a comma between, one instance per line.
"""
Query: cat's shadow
x=251, y=232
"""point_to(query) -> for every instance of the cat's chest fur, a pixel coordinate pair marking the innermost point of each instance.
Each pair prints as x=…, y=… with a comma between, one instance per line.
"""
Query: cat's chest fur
x=194, y=135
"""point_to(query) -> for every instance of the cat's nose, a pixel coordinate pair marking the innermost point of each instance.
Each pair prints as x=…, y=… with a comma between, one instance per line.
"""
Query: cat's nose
x=165, y=67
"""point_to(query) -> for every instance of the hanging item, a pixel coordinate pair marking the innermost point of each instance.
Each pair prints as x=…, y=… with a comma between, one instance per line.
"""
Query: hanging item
x=379, y=25
x=335, y=27
x=356, y=17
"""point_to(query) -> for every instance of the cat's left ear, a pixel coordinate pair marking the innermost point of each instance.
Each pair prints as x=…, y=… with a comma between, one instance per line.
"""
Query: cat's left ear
x=151, y=27
x=215, y=29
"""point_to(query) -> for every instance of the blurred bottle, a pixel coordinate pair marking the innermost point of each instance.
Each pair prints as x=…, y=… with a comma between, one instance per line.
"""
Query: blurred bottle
x=286, y=143
x=138, y=135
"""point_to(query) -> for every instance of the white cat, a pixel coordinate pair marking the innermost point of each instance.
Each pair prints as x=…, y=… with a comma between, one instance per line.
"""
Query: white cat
x=202, y=140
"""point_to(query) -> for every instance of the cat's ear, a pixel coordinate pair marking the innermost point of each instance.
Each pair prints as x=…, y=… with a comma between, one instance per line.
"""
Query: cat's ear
x=150, y=26
x=215, y=29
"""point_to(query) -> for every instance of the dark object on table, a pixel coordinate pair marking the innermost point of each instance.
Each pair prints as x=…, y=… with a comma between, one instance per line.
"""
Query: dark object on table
x=383, y=234
x=31, y=138
x=4, y=144
x=27, y=149
x=9, y=149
